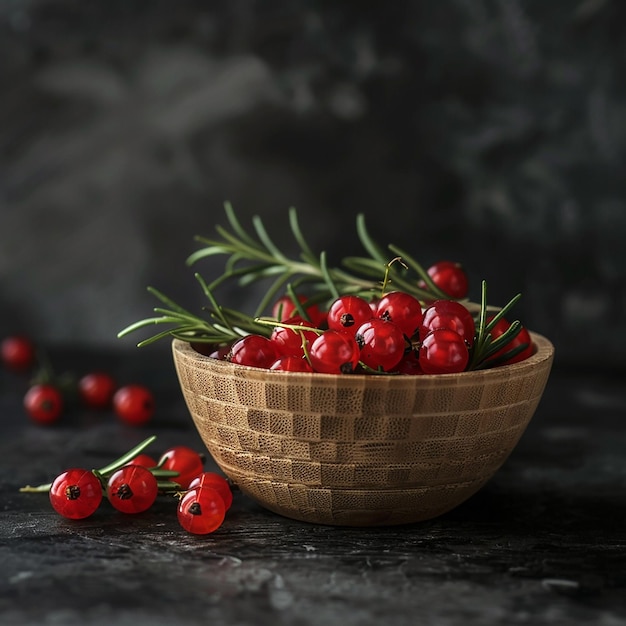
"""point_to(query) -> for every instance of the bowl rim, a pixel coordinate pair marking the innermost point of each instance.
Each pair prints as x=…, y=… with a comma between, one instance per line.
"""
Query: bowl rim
x=543, y=355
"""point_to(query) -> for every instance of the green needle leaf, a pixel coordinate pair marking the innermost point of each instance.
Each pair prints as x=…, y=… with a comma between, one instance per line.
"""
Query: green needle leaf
x=251, y=257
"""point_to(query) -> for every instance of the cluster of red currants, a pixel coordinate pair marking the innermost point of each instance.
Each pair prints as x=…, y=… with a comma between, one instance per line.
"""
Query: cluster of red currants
x=132, y=486
x=392, y=334
x=46, y=397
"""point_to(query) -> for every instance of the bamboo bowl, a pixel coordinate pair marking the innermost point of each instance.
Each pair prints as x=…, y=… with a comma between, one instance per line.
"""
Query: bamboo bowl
x=358, y=450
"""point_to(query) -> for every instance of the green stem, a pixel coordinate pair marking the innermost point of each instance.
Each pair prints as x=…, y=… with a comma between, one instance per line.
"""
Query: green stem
x=103, y=471
x=126, y=458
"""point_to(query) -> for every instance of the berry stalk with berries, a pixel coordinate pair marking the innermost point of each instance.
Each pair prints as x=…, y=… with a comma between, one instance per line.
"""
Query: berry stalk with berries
x=132, y=483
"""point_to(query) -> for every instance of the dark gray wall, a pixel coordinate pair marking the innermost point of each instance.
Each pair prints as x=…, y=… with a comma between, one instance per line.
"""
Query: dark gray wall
x=492, y=132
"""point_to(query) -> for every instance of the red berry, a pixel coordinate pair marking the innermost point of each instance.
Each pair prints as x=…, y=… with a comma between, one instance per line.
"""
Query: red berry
x=221, y=353
x=145, y=460
x=382, y=344
x=96, y=389
x=443, y=351
x=291, y=364
x=401, y=308
x=201, y=511
x=203, y=347
x=450, y=277
x=409, y=365
x=76, y=493
x=289, y=342
x=348, y=313
x=186, y=461
x=217, y=482
x=334, y=352
x=134, y=404
x=449, y=314
x=132, y=489
x=253, y=351
x=18, y=353
x=284, y=308
x=522, y=338
x=44, y=403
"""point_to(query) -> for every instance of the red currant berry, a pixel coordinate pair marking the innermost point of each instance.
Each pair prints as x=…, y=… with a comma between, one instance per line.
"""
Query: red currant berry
x=134, y=404
x=291, y=364
x=186, y=461
x=291, y=342
x=76, y=493
x=145, y=460
x=44, y=403
x=449, y=314
x=521, y=339
x=221, y=353
x=409, y=365
x=201, y=511
x=284, y=308
x=334, y=352
x=382, y=344
x=450, y=277
x=96, y=389
x=203, y=347
x=18, y=353
x=402, y=309
x=217, y=482
x=253, y=351
x=443, y=351
x=132, y=489
x=348, y=313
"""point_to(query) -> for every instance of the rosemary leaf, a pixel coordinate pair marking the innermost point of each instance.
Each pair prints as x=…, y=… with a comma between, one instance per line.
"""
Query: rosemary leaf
x=236, y=225
x=306, y=255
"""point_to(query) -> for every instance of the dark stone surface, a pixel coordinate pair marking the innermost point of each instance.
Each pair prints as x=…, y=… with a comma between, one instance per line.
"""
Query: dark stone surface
x=491, y=132
x=543, y=543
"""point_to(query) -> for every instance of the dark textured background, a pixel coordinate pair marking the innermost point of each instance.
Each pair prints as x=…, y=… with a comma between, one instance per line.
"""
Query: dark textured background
x=492, y=132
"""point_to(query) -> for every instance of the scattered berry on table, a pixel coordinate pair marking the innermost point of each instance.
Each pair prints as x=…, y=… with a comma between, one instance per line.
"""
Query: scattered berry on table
x=201, y=510
x=143, y=459
x=132, y=489
x=18, y=353
x=134, y=404
x=184, y=460
x=76, y=493
x=217, y=482
x=96, y=389
x=44, y=403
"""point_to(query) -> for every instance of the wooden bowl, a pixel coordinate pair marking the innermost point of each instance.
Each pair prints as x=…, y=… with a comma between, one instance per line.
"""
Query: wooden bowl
x=360, y=450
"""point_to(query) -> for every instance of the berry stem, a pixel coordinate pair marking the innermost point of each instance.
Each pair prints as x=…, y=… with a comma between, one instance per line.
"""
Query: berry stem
x=107, y=469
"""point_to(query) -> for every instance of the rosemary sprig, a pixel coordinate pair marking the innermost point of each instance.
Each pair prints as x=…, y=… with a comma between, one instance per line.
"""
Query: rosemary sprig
x=252, y=256
x=484, y=345
x=222, y=325
x=103, y=473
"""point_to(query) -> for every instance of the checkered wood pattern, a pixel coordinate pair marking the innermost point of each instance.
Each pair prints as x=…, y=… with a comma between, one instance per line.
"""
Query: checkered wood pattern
x=360, y=450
